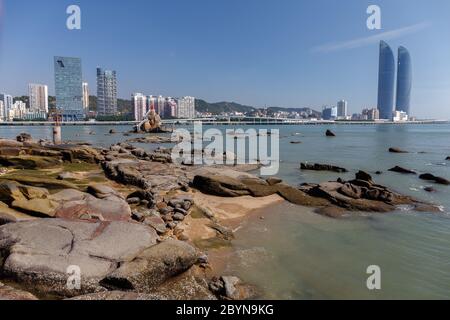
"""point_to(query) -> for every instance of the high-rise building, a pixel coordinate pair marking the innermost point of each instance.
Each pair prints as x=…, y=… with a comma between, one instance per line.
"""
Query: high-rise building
x=386, y=81
x=342, y=109
x=106, y=92
x=159, y=107
x=2, y=117
x=38, y=95
x=186, y=108
x=170, y=109
x=140, y=106
x=371, y=114
x=329, y=113
x=404, y=81
x=86, y=97
x=6, y=105
x=152, y=102
x=68, y=88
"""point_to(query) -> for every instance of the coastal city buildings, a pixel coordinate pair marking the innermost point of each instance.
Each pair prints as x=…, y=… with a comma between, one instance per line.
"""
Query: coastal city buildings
x=86, y=98
x=342, y=109
x=38, y=97
x=404, y=81
x=7, y=103
x=329, y=113
x=371, y=114
x=186, y=108
x=106, y=92
x=68, y=88
x=139, y=106
x=386, y=81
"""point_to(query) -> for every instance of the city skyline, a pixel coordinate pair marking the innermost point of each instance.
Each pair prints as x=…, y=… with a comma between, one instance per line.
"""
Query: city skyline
x=239, y=64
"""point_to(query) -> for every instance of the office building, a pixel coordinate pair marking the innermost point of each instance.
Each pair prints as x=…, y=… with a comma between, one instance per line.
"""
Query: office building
x=69, y=88
x=386, y=81
x=106, y=92
x=342, y=109
x=404, y=81
x=371, y=114
x=7, y=103
x=329, y=113
x=38, y=97
x=86, y=97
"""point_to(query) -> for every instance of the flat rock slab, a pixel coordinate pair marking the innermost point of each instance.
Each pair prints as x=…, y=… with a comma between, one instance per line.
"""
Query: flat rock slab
x=39, y=252
x=10, y=293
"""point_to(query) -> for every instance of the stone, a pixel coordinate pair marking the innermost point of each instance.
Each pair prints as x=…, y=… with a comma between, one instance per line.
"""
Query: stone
x=153, y=267
x=448, y=158
x=11, y=191
x=273, y=181
x=12, y=294
x=112, y=131
x=329, y=133
x=402, y=170
x=24, y=137
x=29, y=162
x=431, y=177
x=38, y=253
x=230, y=284
x=102, y=191
x=156, y=223
x=66, y=176
x=397, y=150
x=331, y=211
x=364, y=176
x=135, y=200
x=220, y=185
x=36, y=207
x=429, y=189
x=10, y=143
x=322, y=167
x=178, y=217
x=9, y=215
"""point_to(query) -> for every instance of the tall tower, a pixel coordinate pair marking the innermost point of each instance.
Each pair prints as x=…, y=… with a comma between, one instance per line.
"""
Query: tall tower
x=106, y=92
x=404, y=81
x=386, y=81
x=38, y=95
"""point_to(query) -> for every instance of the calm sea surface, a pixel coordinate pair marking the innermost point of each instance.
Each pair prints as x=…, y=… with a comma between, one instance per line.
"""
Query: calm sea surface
x=296, y=254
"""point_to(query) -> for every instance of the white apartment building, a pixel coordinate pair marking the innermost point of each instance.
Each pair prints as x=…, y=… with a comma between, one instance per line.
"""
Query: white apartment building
x=139, y=106
x=38, y=94
x=186, y=108
x=86, y=97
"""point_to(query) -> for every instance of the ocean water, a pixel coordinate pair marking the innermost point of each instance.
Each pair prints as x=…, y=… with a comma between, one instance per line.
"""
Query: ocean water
x=294, y=253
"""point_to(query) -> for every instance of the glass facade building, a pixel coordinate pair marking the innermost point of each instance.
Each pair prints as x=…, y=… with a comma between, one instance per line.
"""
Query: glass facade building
x=404, y=81
x=69, y=88
x=106, y=92
x=386, y=81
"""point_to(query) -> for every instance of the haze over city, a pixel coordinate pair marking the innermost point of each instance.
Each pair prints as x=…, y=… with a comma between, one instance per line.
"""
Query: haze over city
x=259, y=53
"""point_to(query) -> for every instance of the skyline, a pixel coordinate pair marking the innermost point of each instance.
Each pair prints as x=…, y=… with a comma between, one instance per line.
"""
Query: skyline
x=251, y=61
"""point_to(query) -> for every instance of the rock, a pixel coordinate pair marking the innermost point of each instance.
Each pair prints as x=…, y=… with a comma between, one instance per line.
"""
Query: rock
x=321, y=167
x=112, y=131
x=152, y=267
x=39, y=252
x=134, y=200
x=224, y=232
x=29, y=162
x=8, y=215
x=273, y=181
x=102, y=191
x=231, y=288
x=402, y=170
x=397, y=150
x=230, y=284
x=295, y=142
x=11, y=191
x=9, y=293
x=378, y=172
x=438, y=180
x=429, y=189
x=331, y=211
x=448, y=158
x=10, y=143
x=329, y=133
x=42, y=182
x=36, y=207
x=156, y=223
x=66, y=176
x=220, y=185
x=24, y=137
x=364, y=176
x=178, y=217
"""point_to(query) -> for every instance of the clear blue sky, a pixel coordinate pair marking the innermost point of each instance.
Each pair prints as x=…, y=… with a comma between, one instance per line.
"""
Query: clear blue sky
x=288, y=53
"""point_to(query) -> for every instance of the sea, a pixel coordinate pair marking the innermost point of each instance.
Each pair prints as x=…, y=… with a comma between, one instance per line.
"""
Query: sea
x=290, y=252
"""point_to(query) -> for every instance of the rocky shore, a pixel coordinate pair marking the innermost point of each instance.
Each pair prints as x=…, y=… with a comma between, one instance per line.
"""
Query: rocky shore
x=138, y=226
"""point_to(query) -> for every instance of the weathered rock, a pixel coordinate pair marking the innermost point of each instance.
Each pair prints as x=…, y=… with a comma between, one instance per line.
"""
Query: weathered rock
x=156, y=223
x=102, y=191
x=397, y=150
x=364, y=176
x=431, y=177
x=220, y=185
x=66, y=176
x=24, y=137
x=178, y=217
x=42, y=182
x=448, y=158
x=11, y=191
x=321, y=167
x=153, y=266
x=29, y=162
x=134, y=200
x=273, y=181
x=10, y=143
x=36, y=207
x=429, y=189
x=329, y=133
x=8, y=215
x=10, y=293
x=232, y=288
x=39, y=252
x=402, y=170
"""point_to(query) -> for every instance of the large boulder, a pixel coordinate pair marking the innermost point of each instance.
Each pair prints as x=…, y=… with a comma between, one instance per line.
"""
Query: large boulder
x=329, y=133
x=397, y=150
x=11, y=191
x=431, y=177
x=10, y=293
x=39, y=252
x=153, y=266
x=402, y=170
x=29, y=162
x=220, y=185
x=10, y=143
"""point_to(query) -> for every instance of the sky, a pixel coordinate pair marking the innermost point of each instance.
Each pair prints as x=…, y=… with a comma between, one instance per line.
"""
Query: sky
x=287, y=53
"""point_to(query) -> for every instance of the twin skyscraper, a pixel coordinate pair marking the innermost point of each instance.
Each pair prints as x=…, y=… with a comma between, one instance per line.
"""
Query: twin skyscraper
x=386, y=81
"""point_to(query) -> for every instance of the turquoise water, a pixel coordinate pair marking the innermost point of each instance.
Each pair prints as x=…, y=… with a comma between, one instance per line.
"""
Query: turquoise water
x=296, y=254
